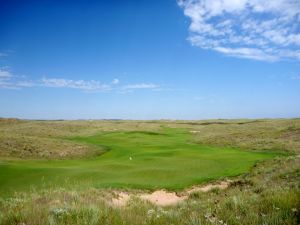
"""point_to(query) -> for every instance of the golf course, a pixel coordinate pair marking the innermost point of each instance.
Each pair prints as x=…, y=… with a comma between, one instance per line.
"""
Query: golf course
x=137, y=112
x=149, y=172
x=135, y=159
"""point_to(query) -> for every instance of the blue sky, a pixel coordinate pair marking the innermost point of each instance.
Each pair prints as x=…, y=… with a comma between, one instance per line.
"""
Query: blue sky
x=192, y=59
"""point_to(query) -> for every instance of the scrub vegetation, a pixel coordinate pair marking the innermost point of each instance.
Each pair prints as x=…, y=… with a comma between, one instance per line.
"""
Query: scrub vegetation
x=68, y=172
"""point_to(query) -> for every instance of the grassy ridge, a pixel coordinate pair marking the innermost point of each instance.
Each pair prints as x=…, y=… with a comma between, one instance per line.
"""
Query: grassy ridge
x=46, y=139
x=138, y=159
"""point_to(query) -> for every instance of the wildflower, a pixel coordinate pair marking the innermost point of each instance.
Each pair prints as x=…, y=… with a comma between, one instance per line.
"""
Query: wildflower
x=209, y=217
x=150, y=213
x=294, y=210
x=59, y=211
x=235, y=200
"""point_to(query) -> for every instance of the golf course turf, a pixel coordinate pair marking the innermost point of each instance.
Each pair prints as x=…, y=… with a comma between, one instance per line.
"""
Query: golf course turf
x=151, y=160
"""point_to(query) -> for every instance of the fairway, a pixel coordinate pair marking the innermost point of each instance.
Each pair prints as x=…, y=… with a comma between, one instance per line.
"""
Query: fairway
x=133, y=159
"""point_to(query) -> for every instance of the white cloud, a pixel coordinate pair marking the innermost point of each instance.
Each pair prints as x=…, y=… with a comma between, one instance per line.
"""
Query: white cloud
x=90, y=85
x=115, y=81
x=8, y=81
x=5, y=74
x=249, y=53
x=5, y=78
x=141, y=86
x=11, y=81
x=93, y=85
x=266, y=30
x=25, y=83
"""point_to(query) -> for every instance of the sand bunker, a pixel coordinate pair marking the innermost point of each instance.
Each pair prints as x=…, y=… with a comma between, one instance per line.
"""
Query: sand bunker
x=165, y=198
x=121, y=200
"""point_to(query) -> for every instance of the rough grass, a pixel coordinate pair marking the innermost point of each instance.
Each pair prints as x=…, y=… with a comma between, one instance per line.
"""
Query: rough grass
x=280, y=135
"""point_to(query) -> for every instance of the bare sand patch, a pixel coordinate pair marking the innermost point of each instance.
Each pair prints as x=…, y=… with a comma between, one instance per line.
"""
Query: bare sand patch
x=222, y=185
x=165, y=198
x=121, y=199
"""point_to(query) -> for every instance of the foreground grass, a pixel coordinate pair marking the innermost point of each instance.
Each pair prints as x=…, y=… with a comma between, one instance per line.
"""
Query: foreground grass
x=267, y=195
x=152, y=160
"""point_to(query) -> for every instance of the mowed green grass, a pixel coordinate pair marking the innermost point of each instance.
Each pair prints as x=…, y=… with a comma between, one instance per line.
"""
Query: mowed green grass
x=148, y=160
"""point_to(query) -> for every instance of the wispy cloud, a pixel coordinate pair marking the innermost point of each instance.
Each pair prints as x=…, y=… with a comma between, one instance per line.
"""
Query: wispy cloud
x=11, y=81
x=141, y=86
x=115, y=81
x=5, y=74
x=91, y=85
x=255, y=29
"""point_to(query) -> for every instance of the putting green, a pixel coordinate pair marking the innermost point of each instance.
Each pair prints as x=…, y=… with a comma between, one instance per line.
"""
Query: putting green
x=168, y=159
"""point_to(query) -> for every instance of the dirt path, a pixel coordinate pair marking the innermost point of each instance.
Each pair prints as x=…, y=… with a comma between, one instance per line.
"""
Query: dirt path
x=165, y=198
